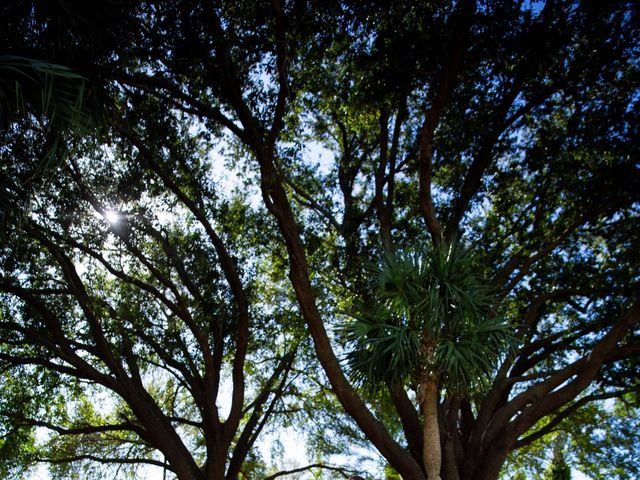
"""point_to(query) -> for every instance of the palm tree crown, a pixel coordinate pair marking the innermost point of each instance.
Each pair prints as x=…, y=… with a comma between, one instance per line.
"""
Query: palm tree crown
x=430, y=316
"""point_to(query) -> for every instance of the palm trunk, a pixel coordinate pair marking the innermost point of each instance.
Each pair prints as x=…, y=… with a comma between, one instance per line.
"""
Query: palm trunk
x=431, y=454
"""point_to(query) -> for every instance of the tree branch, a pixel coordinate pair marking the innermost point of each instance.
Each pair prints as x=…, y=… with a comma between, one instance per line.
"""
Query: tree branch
x=563, y=414
x=104, y=460
x=342, y=471
x=447, y=84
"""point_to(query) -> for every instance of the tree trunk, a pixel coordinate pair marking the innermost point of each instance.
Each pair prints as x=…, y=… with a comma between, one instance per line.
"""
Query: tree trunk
x=431, y=453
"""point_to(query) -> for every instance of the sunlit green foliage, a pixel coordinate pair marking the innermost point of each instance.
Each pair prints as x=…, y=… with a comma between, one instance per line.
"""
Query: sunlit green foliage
x=248, y=163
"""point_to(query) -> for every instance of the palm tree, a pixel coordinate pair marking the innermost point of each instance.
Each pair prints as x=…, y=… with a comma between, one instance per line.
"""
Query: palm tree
x=44, y=88
x=559, y=469
x=429, y=324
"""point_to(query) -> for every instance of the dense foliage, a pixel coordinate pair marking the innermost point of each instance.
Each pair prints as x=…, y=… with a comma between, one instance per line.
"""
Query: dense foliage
x=190, y=270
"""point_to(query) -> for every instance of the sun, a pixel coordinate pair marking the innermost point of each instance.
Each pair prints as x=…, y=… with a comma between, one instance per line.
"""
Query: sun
x=111, y=215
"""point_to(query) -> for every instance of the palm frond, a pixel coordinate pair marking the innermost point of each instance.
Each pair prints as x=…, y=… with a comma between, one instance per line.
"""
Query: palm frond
x=42, y=90
x=467, y=361
x=396, y=281
x=381, y=349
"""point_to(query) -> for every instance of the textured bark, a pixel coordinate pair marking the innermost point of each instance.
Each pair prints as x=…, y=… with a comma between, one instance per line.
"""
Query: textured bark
x=431, y=450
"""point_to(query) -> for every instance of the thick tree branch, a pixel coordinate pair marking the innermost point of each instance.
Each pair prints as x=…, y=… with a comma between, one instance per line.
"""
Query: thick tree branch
x=411, y=423
x=448, y=81
x=553, y=393
x=561, y=415
x=278, y=204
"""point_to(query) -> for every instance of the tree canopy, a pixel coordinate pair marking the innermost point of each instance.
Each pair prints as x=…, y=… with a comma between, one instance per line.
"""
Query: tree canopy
x=191, y=268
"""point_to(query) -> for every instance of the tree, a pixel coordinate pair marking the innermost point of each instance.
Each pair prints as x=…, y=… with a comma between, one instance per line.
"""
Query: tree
x=597, y=440
x=508, y=126
x=432, y=327
x=558, y=469
x=612, y=434
x=152, y=313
